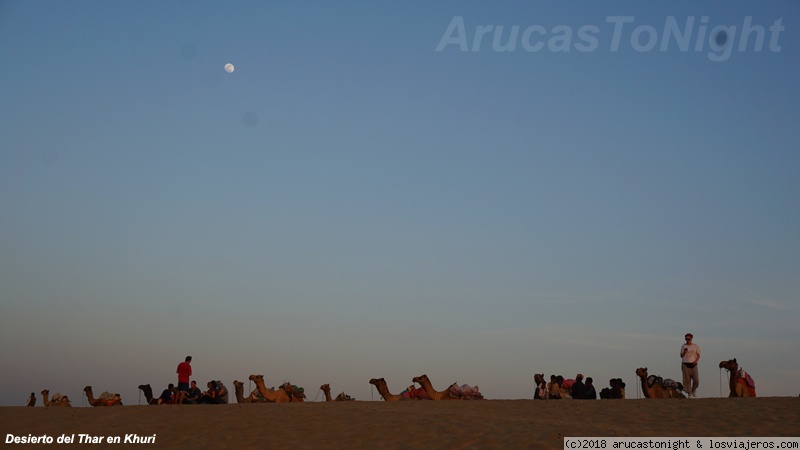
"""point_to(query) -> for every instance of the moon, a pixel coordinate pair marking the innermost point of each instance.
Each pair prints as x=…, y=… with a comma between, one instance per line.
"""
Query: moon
x=229, y=68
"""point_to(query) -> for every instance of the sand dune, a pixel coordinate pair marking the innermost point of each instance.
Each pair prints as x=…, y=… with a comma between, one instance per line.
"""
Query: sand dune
x=413, y=424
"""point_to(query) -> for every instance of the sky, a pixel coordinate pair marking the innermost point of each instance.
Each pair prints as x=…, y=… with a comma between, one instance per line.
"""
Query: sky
x=476, y=191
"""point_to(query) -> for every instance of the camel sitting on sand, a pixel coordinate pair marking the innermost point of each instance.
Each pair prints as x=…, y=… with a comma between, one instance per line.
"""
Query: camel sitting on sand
x=739, y=386
x=105, y=399
x=148, y=394
x=432, y=393
x=653, y=386
x=57, y=400
x=269, y=395
x=383, y=389
x=342, y=397
x=238, y=388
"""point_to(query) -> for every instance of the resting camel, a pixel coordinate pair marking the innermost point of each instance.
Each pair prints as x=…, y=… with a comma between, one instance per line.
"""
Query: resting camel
x=271, y=396
x=105, y=398
x=738, y=385
x=238, y=387
x=148, y=394
x=326, y=389
x=380, y=384
x=654, y=389
x=432, y=393
x=57, y=400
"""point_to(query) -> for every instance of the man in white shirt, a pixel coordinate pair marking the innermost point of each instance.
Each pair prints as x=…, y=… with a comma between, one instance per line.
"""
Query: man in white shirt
x=690, y=357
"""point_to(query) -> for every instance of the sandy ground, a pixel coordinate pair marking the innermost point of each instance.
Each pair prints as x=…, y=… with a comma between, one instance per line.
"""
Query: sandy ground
x=411, y=424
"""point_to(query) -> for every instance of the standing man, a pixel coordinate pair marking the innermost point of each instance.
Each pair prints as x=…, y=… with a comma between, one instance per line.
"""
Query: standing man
x=690, y=358
x=184, y=372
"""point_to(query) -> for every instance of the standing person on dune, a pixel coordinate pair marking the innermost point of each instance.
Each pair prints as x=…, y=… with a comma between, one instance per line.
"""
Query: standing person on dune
x=184, y=373
x=690, y=357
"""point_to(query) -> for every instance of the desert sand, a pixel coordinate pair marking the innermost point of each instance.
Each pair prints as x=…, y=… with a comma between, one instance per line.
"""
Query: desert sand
x=411, y=424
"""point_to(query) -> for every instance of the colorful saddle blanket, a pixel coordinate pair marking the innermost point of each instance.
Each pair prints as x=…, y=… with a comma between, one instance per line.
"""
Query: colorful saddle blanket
x=295, y=391
x=465, y=392
x=748, y=382
x=414, y=393
x=108, y=398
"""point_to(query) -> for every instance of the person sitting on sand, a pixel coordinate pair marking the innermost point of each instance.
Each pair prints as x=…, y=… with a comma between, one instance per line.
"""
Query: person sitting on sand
x=167, y=396
x=222, y=393
x=211, y=396
x=589, y=393
x=553, y=388
x=578, y=389
x=193, y=394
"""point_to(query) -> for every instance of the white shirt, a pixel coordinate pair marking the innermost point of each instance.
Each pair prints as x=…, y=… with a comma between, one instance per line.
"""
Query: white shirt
x=692, y=353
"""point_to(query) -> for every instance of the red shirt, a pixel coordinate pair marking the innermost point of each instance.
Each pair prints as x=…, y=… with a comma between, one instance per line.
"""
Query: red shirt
x=184, y=372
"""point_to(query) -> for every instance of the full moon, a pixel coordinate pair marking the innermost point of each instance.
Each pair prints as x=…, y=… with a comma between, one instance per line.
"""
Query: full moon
x=229, y=68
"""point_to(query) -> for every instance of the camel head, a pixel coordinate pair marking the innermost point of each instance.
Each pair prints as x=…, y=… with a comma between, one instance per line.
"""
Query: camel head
x=255, y=377
x=420, y=379
x=45, y=392
x=238, y=384
x=145, y=387
x=377, y=382
x=730, y=364
x=325, y=388
x=641, y=372
x=87, y=389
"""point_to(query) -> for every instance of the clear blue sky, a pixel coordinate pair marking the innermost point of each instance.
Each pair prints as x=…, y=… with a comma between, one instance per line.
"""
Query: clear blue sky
x=351, y=203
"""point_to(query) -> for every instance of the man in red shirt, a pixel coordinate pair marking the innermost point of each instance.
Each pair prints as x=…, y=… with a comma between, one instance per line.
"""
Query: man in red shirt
x=184, y=372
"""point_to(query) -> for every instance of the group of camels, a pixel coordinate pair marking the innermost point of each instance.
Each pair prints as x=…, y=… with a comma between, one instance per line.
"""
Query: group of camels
x=105, y=399
x=658, y=388
x=653, y=387
x=426, y=392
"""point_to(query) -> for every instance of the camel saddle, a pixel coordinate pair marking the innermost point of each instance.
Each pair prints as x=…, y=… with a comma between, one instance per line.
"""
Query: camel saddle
x=415, y=393
x=108, y=398
x=465, y=392
x=296, y=391
x=666, y=383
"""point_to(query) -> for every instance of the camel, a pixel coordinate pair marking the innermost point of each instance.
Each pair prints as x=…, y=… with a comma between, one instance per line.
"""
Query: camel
x=148, y=394
x=432, y=393
x=271, y=396
x=654, y=389
x=105, y=398
x=342, y=397
x=380, y=384
x=326, y=389
x=738, y=385
x=57, y=400
x=238, y=387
